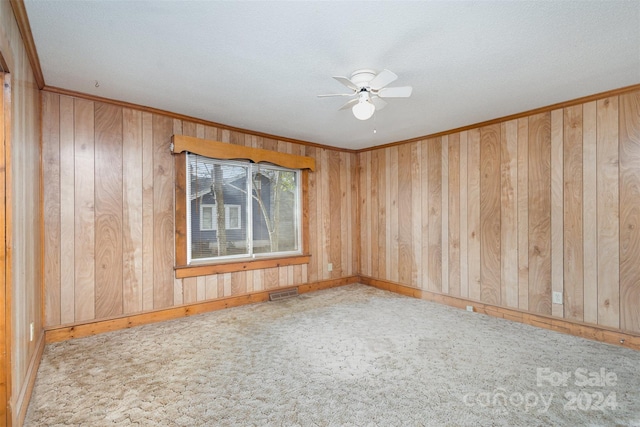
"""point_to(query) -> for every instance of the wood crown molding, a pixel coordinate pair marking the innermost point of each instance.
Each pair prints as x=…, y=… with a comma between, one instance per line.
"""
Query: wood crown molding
x=124, y=104
x=225, y=151
x=20, y=13
x=548, y=108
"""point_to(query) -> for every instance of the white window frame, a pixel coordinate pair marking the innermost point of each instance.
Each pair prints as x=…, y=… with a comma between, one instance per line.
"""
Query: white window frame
x=227, y=217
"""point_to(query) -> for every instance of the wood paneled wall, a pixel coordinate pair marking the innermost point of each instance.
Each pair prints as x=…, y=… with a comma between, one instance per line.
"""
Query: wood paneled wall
x=509, y=212
x=109, y=213
x=23, y=207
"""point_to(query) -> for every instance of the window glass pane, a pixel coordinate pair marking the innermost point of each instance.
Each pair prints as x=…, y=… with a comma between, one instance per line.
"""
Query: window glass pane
x=275, y=210
x=216, y=230
x=237, y=209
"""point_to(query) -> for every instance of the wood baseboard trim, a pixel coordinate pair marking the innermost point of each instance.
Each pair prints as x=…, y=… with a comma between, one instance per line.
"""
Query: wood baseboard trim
x=80, y=330
x=584, y=330
x=21, y=404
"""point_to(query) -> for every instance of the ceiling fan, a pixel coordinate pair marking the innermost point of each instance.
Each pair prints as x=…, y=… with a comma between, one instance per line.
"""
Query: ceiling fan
x=369, y=88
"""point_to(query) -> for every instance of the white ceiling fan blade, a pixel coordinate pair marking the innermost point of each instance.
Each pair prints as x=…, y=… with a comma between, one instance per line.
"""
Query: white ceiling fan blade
x=349, y=104
x=383, y=78
x=345, y=81
x=336, y=94
x=379, y=103
x=395, y=92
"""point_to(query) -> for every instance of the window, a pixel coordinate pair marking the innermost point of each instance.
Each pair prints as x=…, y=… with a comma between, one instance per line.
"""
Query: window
x=259, y=205
x=209, y=212
x=257, y=235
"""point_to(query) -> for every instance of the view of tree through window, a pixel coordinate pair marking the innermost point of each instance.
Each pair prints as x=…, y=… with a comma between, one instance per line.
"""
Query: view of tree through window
x=240, y=209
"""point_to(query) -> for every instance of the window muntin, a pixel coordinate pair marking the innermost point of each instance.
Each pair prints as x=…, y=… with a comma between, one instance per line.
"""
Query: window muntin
x=262, y=210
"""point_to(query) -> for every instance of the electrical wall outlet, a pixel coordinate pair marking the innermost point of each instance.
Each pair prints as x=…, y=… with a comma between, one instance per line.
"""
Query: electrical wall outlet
x=469, y=308
x=31, y=331
x=557, y=297
x=330, y=267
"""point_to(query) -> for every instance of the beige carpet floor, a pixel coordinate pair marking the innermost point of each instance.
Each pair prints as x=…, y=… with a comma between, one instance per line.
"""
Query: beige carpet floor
x=349, y=356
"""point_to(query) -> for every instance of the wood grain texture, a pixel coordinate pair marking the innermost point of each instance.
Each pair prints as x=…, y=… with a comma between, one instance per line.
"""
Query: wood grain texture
x=375, y=216
x=473, y=219
x=629, y=111
x=435, y=214
x=404, y=214
x=444, y=213
x=313, y=211
x=51, y=182
x=335, y=213
x=67, y=207
x=343, y=248
x=394, y=217
x=523, y=214
x=464, y=255
x=84, y=214
x=540, y=213
x=381, y=209
x=131, y=211
x=589, y=210
x=424, y=177
x=573, y=233
x=454, y=160
x=490, y=214
x=108, y=210
x=609, y=232
x=163, y=212
x=557, y=211
x=416, y=215
x=147, y=212
x=509, y=213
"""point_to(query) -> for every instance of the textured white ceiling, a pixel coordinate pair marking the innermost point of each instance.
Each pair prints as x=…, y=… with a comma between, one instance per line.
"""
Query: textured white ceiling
x=260, y=65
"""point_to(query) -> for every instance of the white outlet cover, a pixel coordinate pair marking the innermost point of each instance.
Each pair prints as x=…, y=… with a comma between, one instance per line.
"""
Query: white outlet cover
x=557, y=297
x=330, y=267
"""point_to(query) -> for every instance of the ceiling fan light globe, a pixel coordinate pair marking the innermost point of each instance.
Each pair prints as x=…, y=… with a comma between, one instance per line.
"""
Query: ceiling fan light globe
x=363, y=110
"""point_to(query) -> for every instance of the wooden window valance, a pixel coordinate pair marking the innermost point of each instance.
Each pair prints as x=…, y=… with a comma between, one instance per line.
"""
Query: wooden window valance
x=225, y=151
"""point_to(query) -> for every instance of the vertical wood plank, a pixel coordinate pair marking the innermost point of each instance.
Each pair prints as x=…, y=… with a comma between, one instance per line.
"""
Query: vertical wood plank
x=589, y=209
x=108, y=199
x=320, y=258
x=178, y=291
x=540, y=213
x=189, y=290
x=444, y=184
x=239, y=283
x=464, y=231
x=67, y=210
x=523, y=213
x=609, y=233
x=211, y=286
x=163, y=211
x=573, y=244
x=51, y=182
x=373, y=223
x=473, y=219
x=201, y=288
x=389, y=210
x=435, y=214
x=424, y=213
x=326, y=216
x=355, y=214
x=509, y=214
x=147, y=211
x=490, y=214
x=404, y=214
x=132, y=211
x=394, y=224
x=313, y=227
x=416, y=215
x=454, y=214
x=344, y=217
x=557, y=208
x=381, y=213
x=335, y=214
x=84, y=210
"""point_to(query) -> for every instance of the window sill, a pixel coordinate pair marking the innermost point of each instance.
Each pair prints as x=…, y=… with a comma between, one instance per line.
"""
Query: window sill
x=183, y=271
